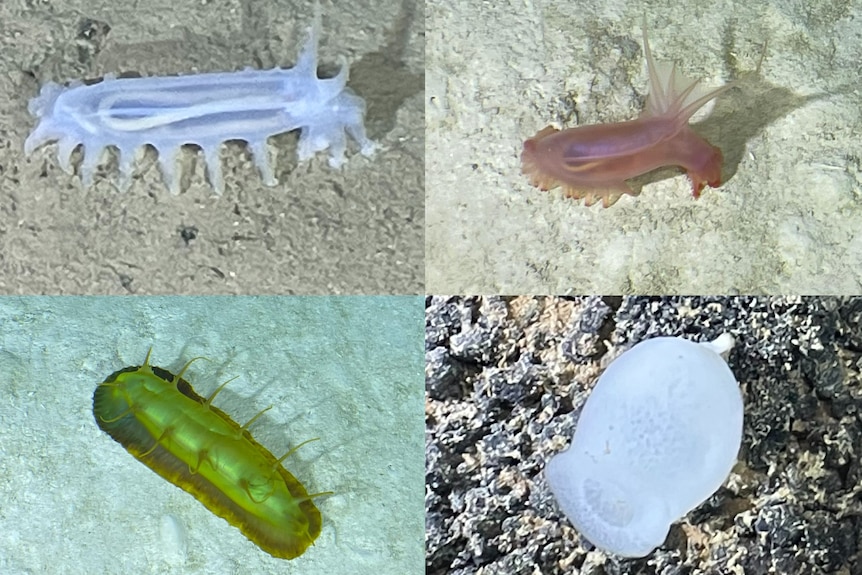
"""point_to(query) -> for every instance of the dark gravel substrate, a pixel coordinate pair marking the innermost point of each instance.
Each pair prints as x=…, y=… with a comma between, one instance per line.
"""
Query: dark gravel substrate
x=507, y=377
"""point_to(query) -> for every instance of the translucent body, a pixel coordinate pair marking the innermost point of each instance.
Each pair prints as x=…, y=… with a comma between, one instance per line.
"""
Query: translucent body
x=204, y=110
x=593, y=162
x=157, y=417
x=658, y=435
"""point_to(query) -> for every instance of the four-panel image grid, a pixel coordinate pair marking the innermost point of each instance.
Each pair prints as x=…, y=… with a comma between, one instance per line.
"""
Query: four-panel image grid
x=464, y=287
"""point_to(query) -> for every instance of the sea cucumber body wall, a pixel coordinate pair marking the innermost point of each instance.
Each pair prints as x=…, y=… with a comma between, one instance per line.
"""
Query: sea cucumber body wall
x=158, y=418
x=658, y=435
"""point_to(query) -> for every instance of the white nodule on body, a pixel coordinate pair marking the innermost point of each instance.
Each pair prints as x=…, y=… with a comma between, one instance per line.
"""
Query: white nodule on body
x=721, y=345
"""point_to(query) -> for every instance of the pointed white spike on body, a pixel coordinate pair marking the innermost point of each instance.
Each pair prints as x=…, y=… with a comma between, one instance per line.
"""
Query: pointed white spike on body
x=307, y=59
x=671, y=93
x=337, y=148
x=721, y=345
x=126, y=166
x=306, y=146
x=343, y=69
x=260, y=157
x=34, y=140
x=46, y=98
x=367, y=146
x=92, y=155
x=41, y=135
x=65, y=147
x=213, y=167
x=167, y=164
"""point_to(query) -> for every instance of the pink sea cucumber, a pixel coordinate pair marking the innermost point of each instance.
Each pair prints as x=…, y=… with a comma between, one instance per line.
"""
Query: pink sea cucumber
x=593, y=162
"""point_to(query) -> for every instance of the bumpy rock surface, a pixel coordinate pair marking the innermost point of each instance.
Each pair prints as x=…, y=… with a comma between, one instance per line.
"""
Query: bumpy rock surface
x=507, y=377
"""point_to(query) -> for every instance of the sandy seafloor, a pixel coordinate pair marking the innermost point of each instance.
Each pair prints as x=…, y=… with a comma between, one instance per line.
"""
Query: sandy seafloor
x=506, y=381
x=345, y=370
x=359, y=229
x=785, y=221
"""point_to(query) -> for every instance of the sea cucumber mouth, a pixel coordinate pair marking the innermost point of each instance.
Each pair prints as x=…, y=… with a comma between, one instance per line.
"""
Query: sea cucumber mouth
x=531, y=168
x=610, y=502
